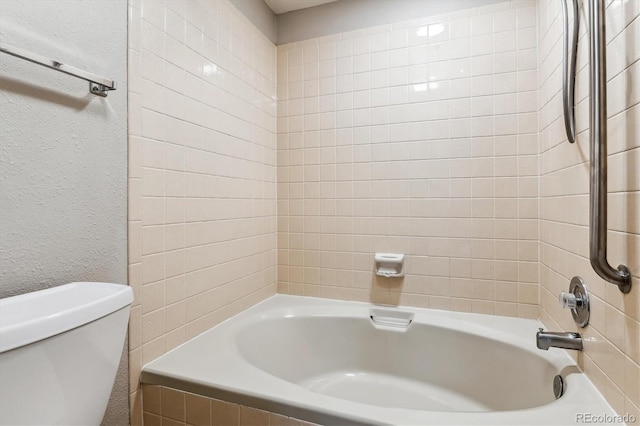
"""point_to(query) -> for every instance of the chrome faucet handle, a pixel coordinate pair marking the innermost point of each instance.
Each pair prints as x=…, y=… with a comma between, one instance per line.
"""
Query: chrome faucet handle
x=569, y=300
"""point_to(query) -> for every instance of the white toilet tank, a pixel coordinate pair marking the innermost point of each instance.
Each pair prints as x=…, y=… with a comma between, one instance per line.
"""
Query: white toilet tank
x=59, y=353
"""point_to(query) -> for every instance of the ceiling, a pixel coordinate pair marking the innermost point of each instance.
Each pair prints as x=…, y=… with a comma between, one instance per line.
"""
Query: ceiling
x=283, y=6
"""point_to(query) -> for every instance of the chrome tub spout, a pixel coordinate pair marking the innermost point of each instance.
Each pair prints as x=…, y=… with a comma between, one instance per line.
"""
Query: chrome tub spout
x=564, y=340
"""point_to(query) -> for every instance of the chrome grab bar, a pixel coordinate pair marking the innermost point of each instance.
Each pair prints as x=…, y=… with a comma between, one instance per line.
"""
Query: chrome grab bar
x=569, y=79
x=97, y=85
x=598, y=147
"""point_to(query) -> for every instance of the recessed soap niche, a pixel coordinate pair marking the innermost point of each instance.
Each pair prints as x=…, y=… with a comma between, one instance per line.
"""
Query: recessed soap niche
x=389, y=265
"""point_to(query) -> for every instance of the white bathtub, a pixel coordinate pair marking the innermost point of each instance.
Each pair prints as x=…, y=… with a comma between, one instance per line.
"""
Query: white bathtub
x=327, y=362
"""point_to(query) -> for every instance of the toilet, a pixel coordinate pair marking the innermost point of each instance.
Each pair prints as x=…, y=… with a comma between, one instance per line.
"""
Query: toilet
x=59, y=352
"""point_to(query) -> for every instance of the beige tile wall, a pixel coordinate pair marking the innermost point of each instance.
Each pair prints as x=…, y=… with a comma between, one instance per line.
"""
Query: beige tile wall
x=202, y=175
x=418, y=138
x=170, y=407
x=612, y=340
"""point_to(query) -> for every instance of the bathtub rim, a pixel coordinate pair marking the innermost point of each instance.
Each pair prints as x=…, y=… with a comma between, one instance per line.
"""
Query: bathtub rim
x=581, y=395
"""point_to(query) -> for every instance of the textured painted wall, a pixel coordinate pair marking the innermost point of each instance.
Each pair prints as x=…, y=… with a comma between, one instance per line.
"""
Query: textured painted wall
x=348, y=15
x=260, y=15
x=63, y=153
x=611, y=357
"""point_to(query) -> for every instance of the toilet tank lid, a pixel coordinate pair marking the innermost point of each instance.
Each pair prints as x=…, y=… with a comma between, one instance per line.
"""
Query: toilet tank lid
x=35, y=316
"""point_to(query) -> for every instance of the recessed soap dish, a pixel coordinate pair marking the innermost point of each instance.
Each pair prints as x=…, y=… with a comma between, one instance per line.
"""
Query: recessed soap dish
x=389, y=265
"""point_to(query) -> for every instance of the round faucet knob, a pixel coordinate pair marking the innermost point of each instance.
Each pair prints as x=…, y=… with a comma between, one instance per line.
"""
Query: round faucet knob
x=568, y=300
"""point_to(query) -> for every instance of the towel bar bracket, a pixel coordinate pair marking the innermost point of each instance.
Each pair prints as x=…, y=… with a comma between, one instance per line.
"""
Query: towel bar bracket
x=99, y=89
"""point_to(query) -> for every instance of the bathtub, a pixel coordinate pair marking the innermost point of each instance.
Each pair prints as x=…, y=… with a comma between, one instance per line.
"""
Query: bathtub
x=334, y=362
